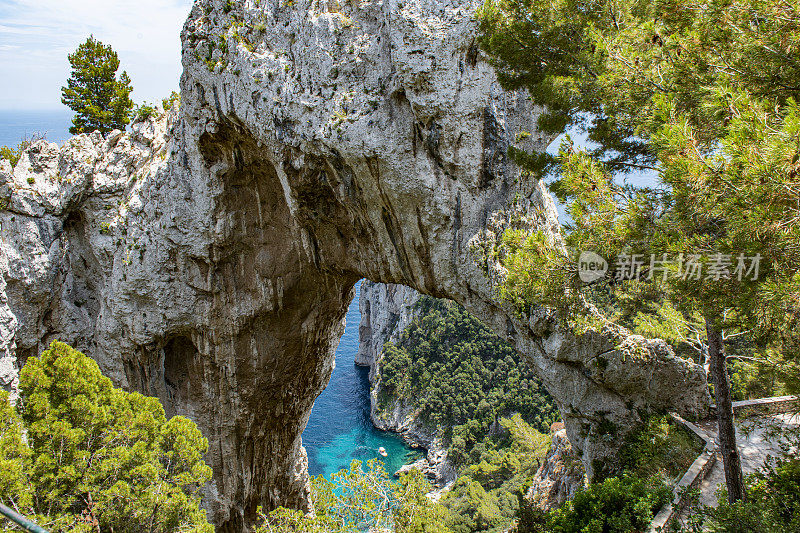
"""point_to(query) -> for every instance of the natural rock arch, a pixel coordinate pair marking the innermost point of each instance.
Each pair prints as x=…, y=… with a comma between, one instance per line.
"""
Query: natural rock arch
x=322, y=143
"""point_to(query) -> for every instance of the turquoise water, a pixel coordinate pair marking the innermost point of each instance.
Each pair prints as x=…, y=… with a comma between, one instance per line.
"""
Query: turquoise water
x=339, y=429
x=16, y=125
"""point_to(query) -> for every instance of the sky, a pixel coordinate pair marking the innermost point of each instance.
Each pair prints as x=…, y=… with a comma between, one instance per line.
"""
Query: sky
x=37, y=35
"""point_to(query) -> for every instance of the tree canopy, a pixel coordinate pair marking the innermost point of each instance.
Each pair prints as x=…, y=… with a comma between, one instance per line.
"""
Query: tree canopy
x=78, y=454
x=703, y=94
x=359, y=499
x=100, y=99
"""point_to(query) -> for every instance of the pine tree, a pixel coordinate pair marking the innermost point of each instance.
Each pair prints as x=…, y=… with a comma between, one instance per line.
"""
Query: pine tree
x=79, y=455
x=703, y=94
x=101, y=101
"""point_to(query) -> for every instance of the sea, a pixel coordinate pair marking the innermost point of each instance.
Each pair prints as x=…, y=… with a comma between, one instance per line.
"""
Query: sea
x=339, y=429
x=18, y=125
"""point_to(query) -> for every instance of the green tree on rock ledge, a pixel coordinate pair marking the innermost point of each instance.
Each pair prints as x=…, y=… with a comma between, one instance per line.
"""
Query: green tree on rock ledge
x=79, y=455
x=101, y=101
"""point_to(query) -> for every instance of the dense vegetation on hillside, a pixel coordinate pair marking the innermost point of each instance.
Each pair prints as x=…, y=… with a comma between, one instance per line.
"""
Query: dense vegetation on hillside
x=486, y=495
x=490, y=407
x=79, y=455
x=460, y=377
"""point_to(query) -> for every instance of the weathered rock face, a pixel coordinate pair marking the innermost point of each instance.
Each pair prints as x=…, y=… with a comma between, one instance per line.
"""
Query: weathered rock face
x=386, y=310
x=209, y=258
x=559, y=477
x=164, y=276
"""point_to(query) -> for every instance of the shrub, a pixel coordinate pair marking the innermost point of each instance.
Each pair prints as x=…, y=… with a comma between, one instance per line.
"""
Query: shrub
x=12, y=154
x=617, y=505
x=170, y=100
x=143, y=112
x=79, y=455
x=661, y=447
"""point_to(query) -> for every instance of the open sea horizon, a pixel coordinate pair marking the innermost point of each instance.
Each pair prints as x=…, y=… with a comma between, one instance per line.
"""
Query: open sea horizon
x=16, y=125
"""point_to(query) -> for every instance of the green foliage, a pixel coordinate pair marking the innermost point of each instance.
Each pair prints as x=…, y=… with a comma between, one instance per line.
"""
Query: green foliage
x=170, y=100
x=460, y=377
x=142, y=112
x=94, y=457
x=101, y=101
x=617, y=505
x=357, y=499
x=12, y=154
x=699, y=94
x=763, y=374
x=661, y=448
x=485, y=497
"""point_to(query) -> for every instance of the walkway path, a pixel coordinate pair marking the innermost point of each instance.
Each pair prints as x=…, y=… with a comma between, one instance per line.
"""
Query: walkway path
x=755, y=446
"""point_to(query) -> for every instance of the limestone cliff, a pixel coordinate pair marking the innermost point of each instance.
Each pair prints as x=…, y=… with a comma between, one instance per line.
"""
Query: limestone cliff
x=209, y=257
x=560, y=475
x=386, y=310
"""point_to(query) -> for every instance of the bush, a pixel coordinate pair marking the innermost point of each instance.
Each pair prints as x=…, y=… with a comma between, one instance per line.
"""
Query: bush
x=617, y=505
x=12, y=154
x=660, y=448
x=167, y=102
x=79, y=455
x=142, y=112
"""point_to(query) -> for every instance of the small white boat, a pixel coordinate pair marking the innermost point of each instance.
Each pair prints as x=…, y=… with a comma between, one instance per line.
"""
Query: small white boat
x=382, y=451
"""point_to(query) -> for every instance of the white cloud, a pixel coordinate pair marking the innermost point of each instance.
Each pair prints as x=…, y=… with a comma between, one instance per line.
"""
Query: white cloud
x=37, y=35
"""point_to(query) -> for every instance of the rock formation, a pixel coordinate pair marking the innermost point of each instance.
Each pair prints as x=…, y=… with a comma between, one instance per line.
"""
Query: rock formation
x=209, y=257
x=560, y=475
x=386, y=310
